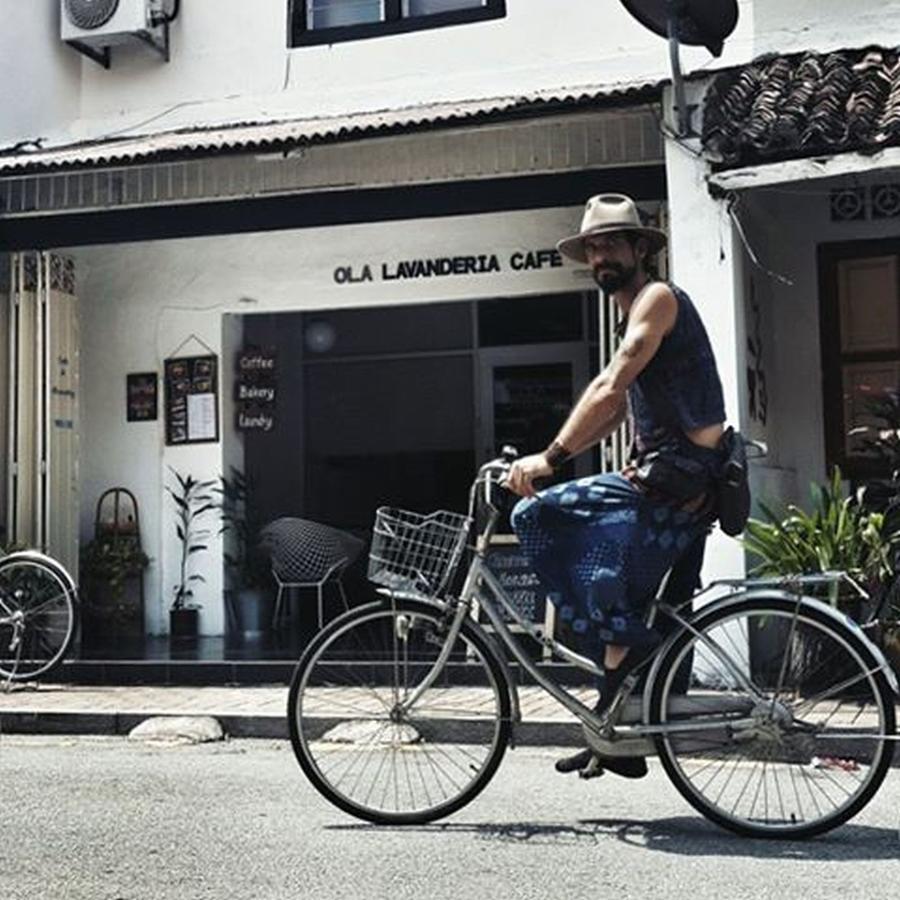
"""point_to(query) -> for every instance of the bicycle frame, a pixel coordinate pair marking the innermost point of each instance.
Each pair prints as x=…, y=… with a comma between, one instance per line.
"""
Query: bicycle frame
x=482, y=591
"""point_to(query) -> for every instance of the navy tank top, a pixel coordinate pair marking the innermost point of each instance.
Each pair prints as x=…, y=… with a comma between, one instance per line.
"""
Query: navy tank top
x=679, y=390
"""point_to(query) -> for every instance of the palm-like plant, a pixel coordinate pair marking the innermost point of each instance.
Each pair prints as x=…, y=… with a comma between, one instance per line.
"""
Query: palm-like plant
x=240, y=523
x=192, y=502
x=838, y=534
x=883, y=441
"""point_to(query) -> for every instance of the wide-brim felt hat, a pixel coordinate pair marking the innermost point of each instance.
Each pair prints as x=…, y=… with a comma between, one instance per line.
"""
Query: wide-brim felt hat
x=606, y=213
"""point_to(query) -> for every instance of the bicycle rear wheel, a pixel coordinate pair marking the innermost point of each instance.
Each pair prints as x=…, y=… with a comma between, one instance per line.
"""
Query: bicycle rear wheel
x=800, y=754
x=363, y=749
x=37, y=617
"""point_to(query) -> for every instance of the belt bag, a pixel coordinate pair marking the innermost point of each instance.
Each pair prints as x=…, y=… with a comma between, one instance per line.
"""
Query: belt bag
x=733, y=490
x=676, y=477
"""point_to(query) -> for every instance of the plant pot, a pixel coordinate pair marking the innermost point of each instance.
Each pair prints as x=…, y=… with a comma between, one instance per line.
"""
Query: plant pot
x=183, y=625
x=252, y=610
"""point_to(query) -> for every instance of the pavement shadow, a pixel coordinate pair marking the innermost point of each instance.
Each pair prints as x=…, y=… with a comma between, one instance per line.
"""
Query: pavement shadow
x=679, y=835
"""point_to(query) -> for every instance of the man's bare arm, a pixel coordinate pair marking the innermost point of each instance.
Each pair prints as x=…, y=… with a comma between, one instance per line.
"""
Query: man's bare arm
x=602, y=406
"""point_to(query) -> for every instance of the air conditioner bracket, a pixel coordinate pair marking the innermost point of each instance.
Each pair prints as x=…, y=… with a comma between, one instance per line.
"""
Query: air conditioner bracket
x=157, y=40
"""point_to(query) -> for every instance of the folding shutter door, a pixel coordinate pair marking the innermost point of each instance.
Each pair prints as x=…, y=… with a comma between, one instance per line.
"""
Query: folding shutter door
x=42, y=485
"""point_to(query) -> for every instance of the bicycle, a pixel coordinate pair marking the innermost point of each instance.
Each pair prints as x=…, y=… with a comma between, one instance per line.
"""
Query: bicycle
x=772, y=713
x=38, y=614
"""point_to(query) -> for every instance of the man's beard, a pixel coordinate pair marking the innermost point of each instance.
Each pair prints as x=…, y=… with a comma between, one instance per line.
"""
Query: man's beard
x=614, y=277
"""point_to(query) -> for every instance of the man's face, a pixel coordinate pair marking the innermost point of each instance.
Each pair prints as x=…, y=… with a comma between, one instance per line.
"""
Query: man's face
x=612, y=259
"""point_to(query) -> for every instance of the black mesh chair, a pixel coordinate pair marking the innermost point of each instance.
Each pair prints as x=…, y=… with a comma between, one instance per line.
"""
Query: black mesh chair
x=306, y=554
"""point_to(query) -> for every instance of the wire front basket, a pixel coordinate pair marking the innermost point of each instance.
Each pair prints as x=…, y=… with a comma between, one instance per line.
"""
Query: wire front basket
x=416, y=553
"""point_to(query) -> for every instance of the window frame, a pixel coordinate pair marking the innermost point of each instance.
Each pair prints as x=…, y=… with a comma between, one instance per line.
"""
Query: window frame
x=394, y=22
x=856, y=468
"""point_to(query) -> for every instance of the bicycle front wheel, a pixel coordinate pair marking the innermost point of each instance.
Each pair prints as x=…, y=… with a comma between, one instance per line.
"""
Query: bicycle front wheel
x=37, y=617
x=375, y=747
x=791, y=718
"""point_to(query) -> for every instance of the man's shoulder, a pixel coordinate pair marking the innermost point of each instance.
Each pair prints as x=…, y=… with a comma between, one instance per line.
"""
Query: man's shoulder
x=658, y=300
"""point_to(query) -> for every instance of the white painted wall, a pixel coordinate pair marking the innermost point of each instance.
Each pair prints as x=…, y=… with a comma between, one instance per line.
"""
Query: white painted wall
x=795, y=218
x=140, y=301
x=40, y=78
x=230, y=62
x=706, y=261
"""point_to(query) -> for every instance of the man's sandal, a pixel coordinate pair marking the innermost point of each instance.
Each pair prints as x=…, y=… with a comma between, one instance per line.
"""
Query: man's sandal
x=589, y=764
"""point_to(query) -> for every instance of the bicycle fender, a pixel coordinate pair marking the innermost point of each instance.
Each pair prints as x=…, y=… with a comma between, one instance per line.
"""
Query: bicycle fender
x=49, y=562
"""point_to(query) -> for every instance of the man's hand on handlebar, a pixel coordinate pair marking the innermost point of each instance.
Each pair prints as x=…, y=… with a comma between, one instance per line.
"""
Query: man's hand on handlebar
x=523, y=472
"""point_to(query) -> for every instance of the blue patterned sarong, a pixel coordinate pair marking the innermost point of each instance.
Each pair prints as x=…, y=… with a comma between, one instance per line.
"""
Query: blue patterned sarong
x=601, y=548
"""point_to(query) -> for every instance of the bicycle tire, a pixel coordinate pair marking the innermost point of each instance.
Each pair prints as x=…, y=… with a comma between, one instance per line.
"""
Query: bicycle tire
x=372, y=655
x=41, y=592
x=826, y=731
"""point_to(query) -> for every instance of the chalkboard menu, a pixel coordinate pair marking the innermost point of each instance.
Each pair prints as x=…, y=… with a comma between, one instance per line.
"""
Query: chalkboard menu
x=255, y=389
x=512, y=569
x=191, y=399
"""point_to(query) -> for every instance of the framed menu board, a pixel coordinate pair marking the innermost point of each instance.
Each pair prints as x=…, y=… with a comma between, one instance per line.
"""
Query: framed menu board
x=191, y=402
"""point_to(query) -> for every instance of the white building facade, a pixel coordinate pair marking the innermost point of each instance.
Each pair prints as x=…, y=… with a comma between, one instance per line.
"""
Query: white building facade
x=365, y=201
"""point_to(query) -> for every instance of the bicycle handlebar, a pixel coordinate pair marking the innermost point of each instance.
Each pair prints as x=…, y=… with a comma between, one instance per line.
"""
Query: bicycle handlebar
x=492, y=474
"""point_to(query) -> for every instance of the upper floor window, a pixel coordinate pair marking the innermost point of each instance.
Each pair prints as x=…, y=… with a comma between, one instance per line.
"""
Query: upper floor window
x=328, y=21
x=860, y=333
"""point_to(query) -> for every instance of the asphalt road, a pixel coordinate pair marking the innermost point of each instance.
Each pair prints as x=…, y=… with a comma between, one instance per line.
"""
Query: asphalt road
x=105, y=819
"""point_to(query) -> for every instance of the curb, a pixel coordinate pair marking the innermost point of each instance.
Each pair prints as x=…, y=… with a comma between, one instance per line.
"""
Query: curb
x=529, y=733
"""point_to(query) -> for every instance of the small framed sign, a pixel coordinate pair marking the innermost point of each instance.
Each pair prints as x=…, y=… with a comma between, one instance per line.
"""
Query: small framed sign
x=141, y=396
x=191, y=399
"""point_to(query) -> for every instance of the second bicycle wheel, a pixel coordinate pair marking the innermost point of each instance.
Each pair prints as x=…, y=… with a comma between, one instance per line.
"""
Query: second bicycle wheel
x=369, y=743
x=37, y=617
x=791, y=718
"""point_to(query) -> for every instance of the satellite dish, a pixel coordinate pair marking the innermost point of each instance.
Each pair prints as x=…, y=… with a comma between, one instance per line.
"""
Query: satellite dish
x=702, y=23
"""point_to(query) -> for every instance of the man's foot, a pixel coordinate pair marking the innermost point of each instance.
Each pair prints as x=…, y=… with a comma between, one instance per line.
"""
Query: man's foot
x=576, y=762
x=626, y=766
x=590, y=764
x=613, y=678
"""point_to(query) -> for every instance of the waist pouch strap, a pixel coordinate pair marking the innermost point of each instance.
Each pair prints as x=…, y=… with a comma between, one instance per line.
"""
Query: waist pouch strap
x=675, y=477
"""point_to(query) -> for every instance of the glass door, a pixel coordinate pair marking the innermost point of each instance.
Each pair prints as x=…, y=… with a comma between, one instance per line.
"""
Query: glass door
x=526, y=394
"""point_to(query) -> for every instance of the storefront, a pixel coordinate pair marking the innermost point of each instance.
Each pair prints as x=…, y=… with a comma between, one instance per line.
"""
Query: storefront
x=341, y=349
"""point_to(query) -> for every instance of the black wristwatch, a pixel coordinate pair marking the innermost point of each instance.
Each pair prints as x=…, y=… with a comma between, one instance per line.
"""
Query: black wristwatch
x=556, y=455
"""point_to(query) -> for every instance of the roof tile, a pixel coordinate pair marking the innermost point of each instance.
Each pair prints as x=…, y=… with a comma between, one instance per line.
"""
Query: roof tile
x=809, y=104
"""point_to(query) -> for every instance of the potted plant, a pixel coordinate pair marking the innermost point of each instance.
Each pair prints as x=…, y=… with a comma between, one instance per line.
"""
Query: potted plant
x=247, y=569
x=107, y=565
x=838, y=534
x=193, y=501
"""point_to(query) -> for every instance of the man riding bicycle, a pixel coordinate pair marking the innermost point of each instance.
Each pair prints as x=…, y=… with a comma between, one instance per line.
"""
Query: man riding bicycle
x=602, y=544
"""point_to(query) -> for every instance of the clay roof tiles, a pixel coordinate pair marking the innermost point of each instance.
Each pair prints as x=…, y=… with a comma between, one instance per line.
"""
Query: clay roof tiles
x=809, y=104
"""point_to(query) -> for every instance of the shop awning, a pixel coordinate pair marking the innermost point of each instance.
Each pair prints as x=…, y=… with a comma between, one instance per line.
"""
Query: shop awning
x=804, y=107
x=284, y=134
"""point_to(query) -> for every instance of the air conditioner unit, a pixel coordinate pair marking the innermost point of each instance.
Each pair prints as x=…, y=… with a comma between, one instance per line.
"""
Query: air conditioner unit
x=93, y=26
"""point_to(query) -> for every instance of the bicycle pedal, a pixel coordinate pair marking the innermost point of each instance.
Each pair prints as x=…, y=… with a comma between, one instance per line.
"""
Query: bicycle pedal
x=592, y=770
